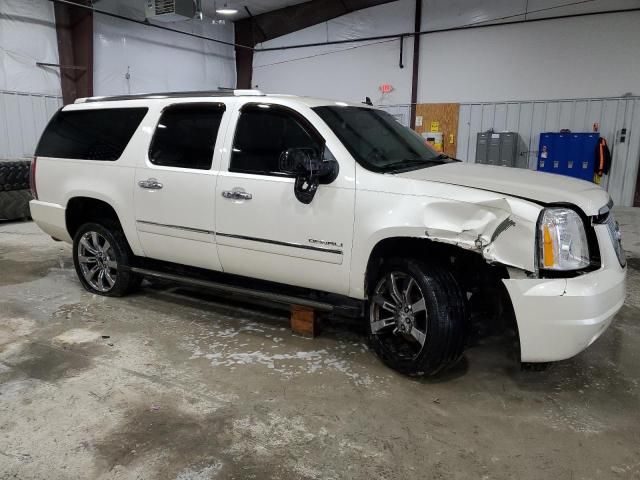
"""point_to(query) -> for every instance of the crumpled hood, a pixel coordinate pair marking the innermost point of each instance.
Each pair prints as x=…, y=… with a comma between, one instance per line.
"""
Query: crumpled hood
x=537, y=186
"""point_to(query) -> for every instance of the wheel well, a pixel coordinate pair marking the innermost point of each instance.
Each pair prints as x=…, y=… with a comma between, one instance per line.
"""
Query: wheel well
x=81, y=210
x=482, y=282
x=420, y=249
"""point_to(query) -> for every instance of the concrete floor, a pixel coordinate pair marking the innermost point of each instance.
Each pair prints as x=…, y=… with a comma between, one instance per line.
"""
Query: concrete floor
x=169, y=384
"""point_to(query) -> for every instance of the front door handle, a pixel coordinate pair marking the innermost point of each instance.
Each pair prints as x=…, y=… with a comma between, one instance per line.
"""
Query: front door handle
x=150, y=184
x=236, y=195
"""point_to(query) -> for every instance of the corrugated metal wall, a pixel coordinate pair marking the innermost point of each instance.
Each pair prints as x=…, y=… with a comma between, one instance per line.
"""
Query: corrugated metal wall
x=529, y=119
x=23, y=117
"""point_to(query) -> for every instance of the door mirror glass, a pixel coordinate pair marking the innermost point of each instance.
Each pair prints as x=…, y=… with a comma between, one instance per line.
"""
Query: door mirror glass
x=310, y=170
x=296, y=161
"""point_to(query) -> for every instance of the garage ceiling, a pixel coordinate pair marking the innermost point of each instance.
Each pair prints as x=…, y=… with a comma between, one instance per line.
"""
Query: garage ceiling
x=135, y=8
x=256, y=7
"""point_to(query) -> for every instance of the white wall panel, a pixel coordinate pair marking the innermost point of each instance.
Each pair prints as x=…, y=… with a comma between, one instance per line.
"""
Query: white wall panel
x=343, y=72
x=564, y=58
x=584, y=57
x=27, y=36
x=438, y=14
x=131, y=58
x=23, y=116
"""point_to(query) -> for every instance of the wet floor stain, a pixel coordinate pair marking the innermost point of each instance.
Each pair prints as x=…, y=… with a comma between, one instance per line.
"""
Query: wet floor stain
x=22, y=271
x=633, y=263
x=47, y=363
x=186, y=446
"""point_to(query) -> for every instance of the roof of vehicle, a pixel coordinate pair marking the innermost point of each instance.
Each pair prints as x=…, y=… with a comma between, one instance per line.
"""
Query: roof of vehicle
x=308, y=101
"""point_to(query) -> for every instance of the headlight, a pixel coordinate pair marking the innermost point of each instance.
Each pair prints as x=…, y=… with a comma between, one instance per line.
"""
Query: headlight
x=616, y=238
x=562, y=240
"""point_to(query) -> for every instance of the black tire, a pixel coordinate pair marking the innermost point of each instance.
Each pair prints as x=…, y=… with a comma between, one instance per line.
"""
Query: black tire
x=14, y=204
x=534, y=367
x=442, y=325
x=14, y=175
x=114, y=258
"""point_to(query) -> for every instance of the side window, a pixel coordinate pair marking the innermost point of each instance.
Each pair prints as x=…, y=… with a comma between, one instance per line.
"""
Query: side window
x=263, y=133
x=91, y=134
x=186, y=136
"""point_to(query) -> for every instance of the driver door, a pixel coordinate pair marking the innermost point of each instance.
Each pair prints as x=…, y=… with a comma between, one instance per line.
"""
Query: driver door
x=262, y=230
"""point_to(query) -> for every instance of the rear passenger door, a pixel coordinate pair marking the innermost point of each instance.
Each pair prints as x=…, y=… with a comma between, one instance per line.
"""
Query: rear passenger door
x=175, y=189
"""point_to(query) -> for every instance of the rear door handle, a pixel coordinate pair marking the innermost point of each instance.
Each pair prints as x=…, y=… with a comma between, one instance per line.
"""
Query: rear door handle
x=150, y=184
x=236, y=195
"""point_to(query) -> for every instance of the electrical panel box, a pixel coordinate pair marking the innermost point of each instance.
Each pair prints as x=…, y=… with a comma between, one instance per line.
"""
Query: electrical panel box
x=509, y=149
x=493, y=152
x=482, y=147
x=499, y=149
x=570, y=154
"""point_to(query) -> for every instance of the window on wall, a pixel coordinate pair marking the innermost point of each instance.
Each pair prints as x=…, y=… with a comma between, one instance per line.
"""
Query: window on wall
x=186, y=136
x=263, y=133
x=91, y=134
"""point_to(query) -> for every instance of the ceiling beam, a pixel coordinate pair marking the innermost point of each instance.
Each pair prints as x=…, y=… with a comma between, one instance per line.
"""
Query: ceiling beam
x=74, y=30
x=267, y=26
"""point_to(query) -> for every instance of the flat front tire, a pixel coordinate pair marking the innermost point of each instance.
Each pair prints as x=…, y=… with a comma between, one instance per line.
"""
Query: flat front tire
x=100, y=255
x=418, y=322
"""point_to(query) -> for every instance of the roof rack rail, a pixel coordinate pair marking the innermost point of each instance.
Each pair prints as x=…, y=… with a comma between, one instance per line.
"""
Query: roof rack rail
x=161, y=95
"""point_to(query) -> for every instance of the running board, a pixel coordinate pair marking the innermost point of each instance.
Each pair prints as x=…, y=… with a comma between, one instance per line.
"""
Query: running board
x=246, y=292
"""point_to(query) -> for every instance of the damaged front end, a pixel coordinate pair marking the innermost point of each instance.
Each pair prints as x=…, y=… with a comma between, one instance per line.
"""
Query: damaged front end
x=503, y=231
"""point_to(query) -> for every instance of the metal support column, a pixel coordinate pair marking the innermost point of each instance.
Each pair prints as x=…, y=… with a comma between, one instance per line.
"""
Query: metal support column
x=416, y=62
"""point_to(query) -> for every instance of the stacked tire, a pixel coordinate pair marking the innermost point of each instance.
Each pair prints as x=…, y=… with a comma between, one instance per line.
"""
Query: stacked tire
x=14, y=189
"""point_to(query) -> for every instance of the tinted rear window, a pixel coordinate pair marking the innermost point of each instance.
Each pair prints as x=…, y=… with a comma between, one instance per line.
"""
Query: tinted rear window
x=186, y=136
x=90, y=134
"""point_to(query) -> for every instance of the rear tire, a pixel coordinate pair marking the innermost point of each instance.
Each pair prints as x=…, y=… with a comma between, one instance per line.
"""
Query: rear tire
x=14, y=175
x=418, y=321
x=14, y=204
x=100, y=255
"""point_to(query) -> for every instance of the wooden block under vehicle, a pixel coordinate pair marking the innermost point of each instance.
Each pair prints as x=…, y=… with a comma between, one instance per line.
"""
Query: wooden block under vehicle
x=303, y=321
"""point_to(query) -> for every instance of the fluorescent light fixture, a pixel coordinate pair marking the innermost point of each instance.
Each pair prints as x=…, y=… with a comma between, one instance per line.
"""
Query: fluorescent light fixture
x=226, y=10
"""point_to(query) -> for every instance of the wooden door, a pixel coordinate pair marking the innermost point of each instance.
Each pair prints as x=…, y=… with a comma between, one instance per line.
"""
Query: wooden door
x=446, y=114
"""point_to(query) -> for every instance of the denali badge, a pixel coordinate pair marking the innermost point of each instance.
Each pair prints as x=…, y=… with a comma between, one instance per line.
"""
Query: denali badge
x=325, y=243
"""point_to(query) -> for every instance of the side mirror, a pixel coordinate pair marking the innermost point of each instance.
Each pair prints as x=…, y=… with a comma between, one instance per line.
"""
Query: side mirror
x=310, y=170
x=296, y=161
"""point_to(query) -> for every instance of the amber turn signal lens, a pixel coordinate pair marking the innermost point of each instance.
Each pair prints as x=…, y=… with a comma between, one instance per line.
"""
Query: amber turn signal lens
x=547, y=248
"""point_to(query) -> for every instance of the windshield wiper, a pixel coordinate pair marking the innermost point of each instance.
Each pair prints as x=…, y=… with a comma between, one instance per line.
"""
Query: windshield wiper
x=444, y=156
x=411, y=163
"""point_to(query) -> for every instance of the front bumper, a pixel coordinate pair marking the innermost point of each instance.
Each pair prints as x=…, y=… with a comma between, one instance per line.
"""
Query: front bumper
x=559, y=318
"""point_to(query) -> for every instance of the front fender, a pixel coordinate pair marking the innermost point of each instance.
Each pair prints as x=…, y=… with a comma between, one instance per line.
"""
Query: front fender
x=501, y=229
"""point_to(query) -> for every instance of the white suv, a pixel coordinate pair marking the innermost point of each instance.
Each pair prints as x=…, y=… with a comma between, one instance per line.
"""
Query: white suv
x=328, y=204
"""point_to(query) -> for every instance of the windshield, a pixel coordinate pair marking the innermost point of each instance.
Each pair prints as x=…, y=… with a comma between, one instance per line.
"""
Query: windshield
x=378, y=141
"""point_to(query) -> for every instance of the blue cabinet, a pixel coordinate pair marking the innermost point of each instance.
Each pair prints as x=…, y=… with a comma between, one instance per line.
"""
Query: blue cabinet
x=562, y=153
x=545, y=152
x=585, y=155
x=570, y=154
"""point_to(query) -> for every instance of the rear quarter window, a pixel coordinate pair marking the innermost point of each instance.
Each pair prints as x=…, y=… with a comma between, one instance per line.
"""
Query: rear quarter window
x=90, y=134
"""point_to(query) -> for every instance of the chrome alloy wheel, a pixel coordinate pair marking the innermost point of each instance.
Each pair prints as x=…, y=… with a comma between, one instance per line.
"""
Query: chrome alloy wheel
x=399, y=313
x=97, y=261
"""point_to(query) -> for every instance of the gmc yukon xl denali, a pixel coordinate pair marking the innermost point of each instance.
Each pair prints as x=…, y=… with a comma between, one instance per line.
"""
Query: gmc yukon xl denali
x=330, y=205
